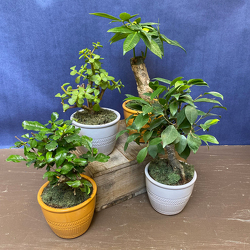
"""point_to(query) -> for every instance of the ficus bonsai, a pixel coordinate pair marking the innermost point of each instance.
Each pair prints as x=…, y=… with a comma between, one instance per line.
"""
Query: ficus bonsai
x=97, y=82
x=51, y=146
x=133, y=31
x=173, y=121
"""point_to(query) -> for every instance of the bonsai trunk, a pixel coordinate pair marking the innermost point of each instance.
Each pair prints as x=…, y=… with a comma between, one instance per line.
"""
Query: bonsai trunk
x=174, y=162
x=141, y=76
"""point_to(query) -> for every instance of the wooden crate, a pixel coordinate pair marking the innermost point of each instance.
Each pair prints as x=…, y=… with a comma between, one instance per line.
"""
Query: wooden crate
x=121, y=178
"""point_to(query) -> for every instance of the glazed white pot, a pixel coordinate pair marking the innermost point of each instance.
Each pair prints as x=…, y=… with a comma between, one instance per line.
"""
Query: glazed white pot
x=166, y=199
x=103, y=135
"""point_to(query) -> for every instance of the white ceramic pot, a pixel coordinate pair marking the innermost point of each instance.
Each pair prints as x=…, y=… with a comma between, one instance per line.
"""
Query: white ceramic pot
x=103, y=135
x=166, y=199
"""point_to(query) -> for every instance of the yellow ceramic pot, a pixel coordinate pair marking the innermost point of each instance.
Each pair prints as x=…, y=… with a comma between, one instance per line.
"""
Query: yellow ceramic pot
x=70, y=222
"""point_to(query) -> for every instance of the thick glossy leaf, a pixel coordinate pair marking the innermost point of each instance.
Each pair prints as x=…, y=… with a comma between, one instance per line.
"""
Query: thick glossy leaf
x=60, y=158
x=33, y=125
x=209, y=138
x=169, y=135
x=191, y=114
x=130, y=42
x=209, y=123
x=207, y=100
x=198, y=82
x=67, y=168
x=194, y=142
x=51, y=146
x=142, y=154
x=181, y=145
x=141, y=120
x=80, y=161
x=15, y=158
x=105, y=15
x=156, y=93
x=217, y=94
x=156, y=122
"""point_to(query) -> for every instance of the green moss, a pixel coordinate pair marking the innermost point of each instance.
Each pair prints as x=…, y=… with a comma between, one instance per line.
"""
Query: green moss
x=62, y=196
x=161, y=171
x=100, y=117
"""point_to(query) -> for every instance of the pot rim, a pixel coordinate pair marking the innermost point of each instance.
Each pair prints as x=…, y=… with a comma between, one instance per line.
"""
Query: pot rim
x=169, y=186
x=80, y=125
x=69, y=209
x=128, y=109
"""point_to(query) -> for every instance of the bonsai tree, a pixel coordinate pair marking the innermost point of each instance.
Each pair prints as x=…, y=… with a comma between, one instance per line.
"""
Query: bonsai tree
x=173, y=121
x=97, y=82
x=133, y=31
x=52, y=147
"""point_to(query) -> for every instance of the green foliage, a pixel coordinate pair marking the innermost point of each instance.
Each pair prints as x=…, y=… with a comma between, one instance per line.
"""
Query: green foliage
x=52, y=148
x=172, y=117
x=97, y=81
x=134, y=30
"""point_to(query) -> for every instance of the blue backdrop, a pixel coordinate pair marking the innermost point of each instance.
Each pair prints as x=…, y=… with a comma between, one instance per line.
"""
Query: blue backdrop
x=40, y=41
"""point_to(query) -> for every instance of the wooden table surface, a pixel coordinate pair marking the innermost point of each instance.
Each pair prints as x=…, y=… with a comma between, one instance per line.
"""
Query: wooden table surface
x=216, y=217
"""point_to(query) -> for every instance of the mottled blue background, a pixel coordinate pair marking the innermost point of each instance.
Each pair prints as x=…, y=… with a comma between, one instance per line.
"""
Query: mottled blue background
x=40, y=41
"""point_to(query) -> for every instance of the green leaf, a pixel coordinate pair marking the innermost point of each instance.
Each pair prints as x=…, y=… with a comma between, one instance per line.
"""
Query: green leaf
x=194, y=142
x=125, y=16
x=154, y=48
x=130, y=42
x=33, y=125
x=153, y=150
x=118, y=37
x=15, y=158
x=155, y=141
x=181, y=117
x=121, y=29
x=173, y=107
x=100, y=14
x=146, y=109
x=191, y=114
x=51, y=145
x=207, y=100
x=102, y=157
x=67, y=168
x=121, y=133
x=147, y=135
x=209, y=123
x=171, y=42
x=217, y=94
x=80, y=161
x=141, y=120
x=209, y=138
x=96, y=107
x=54, y=116
x=185, y=153
x=162, y=80
x=49, y=174
x=156, y=93
x=181, y=145
x=198, y=82
x=169, y=135
x=74, y=184
x=142, y=155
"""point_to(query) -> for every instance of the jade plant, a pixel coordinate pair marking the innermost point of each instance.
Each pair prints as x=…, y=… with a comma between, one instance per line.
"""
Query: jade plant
x=171, y=120
x=133, y=31
x=97, y=82
x=51, y=146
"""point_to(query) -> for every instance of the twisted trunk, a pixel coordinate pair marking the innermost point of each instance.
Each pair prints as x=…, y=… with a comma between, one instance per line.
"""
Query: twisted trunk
x=174, y=162
x=141, y=76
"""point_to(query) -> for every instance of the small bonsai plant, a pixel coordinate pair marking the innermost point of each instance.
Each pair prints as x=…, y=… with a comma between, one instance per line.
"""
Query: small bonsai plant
x=52, y=147
x=133, y=31
x=97, y=82
x=173, y=122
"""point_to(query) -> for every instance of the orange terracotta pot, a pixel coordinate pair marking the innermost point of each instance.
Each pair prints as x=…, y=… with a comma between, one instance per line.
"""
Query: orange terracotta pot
x=69, y=222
